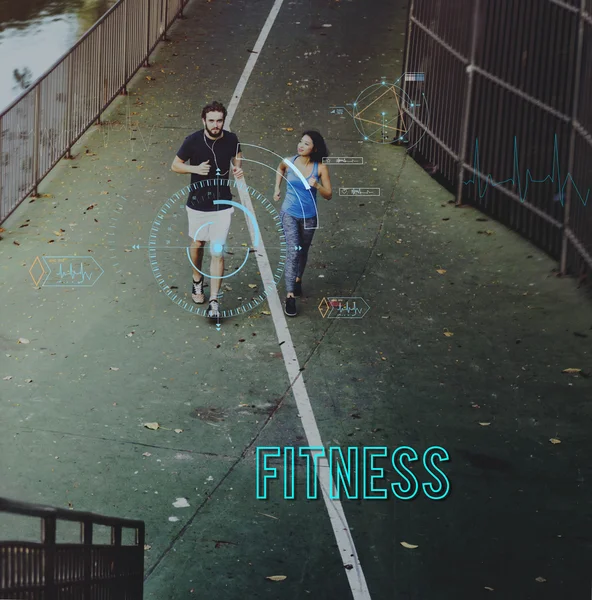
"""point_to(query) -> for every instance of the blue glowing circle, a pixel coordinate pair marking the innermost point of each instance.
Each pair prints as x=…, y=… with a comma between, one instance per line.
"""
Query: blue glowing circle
x=173, y=212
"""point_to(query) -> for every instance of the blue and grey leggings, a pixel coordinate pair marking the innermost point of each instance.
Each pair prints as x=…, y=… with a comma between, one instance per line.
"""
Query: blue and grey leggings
x=299, y=233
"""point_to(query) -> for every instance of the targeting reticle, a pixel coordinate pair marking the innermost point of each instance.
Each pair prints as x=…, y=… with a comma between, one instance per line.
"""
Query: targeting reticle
x=380, y=112
x=170, y=259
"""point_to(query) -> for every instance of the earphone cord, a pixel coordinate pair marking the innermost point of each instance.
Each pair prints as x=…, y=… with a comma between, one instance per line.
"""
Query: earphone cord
x=214, y=154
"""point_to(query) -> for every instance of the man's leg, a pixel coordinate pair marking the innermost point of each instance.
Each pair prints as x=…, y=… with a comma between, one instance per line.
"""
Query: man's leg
x=196, y=251
x=217, y=270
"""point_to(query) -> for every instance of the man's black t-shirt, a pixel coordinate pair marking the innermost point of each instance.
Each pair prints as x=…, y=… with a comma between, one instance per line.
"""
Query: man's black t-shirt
x=198, y=148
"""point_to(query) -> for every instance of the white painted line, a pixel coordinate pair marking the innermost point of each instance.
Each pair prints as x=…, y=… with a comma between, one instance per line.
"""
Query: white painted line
x=345, y=543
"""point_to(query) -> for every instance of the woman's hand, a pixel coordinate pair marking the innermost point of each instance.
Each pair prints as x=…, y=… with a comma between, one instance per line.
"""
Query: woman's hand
x=312, y=181
x=238, y=172
x=277, y=194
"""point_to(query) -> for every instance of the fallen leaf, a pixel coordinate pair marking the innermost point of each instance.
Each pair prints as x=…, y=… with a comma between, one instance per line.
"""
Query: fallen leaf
x=441, y=271
x=555, y=441
x=91, y=206
x=289, y=128
x=178, y=430
x=153, y=426
x=23, y=341
x=51, y=241
x=45, y=196
x=104, y=193
x=28, y=381
x=16, y=243
x=488, y=588
x=484, y=424
x=265, y=312
x=113, y=368
x=7, y=378
x=540, y=579
x=448, y=333
x=571, y=371
x=276, y=577
x=147, y=547
x=252, y=286
x=181, y=503
x=146, y=454
x=410, y=546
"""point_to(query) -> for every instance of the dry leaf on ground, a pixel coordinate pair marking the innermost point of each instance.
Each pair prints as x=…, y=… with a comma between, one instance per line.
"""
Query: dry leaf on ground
x=410, y=546
x=252, y=286
x=23, y=341
x=555, y=441
x=484, y=424
x=540, y=579
x=571, y=371
x=153, y=426
x=441, y=271
x=448, y=333
x=276, y=577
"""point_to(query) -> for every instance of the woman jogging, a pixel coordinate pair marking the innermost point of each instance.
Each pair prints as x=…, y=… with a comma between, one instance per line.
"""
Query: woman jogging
x=299, y=210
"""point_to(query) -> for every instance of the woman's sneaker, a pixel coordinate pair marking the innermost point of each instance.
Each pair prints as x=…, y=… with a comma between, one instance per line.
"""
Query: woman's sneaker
x=290, y=307
x=298, y=289
x=197, y=291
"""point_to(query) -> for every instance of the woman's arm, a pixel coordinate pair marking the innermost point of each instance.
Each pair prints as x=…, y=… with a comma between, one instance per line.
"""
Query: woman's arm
x=280, y=173
x=324, y=183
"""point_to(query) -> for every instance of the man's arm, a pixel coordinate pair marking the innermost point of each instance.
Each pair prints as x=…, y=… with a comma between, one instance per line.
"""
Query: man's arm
x=237, y=162
x=179, y=166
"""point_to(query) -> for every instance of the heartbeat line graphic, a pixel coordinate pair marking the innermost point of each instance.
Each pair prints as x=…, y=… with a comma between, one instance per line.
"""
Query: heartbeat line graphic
x=73, y=273
x=554, y=177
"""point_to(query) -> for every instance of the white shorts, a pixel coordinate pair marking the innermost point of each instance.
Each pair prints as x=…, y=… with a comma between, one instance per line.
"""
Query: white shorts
x=210, y=227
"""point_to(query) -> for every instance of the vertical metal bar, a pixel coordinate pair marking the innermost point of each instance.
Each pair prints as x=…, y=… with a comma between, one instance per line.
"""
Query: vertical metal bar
x=37, y=137
x=166, y=20
x=101, y=67
x=86, y=533
x=2, y=196
x=69, y=88
x=125, y=49
x=572, y=137
x=467, y=104
x=405, y=58
x=147, y=61
x=48, y=538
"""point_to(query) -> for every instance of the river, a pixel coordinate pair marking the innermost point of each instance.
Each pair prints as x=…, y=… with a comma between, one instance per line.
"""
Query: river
x=36, y=33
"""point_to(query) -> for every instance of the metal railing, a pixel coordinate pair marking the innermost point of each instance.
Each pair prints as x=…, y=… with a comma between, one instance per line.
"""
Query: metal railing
x=42, y=124
x=50, y=570
x=509, y=85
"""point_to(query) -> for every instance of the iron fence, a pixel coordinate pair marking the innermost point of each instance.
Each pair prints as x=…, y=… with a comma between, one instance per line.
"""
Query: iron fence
x=509, y=85
x=48, y=570
x=41, y=126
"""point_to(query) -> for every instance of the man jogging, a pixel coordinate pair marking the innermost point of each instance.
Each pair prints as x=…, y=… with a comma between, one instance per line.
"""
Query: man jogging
x=210, y=152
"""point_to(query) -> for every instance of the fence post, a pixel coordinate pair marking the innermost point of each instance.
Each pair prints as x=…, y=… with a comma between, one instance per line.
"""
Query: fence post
x=467, y=105
x=48, y=538
x=36, y=137
x=125, y=49
x=147, y=61
x=164, y=4
x=87, y=539
x=406, y=61
x=572, y=139
x=69, y=89
x=100, y=90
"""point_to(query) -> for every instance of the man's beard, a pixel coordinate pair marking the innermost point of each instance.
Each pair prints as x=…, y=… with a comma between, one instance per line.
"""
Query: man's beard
x=214, y=135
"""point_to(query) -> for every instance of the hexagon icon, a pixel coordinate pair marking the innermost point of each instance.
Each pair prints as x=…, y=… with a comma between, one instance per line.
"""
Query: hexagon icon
x=347, y=307
x=71, y=271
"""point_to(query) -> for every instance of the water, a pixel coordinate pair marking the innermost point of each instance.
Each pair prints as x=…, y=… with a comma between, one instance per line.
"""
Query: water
x=36, y=33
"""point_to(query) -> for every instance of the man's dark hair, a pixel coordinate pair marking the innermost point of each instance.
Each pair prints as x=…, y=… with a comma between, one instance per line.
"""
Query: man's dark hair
x=213, y=107
x=320, y=149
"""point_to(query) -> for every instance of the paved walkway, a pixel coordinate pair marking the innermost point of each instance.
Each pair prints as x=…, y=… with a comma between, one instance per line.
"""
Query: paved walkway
x=463, y=347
